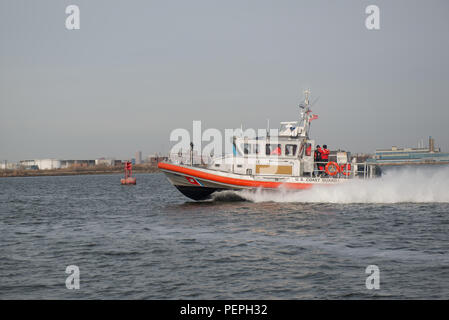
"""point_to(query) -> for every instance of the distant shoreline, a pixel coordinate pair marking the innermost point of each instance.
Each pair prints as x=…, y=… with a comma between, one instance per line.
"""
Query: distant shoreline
x=74, y=171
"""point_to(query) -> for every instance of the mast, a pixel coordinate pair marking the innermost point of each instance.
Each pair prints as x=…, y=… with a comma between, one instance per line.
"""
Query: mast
x=305, y=114
x=306, y=94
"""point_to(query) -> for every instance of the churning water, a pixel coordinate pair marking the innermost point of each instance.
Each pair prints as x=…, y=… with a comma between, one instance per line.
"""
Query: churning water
x=150, y=242
x=410, y=184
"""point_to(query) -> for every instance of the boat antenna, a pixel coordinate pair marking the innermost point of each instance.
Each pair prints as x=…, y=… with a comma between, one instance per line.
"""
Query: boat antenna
x=314, y=101
x=306, y=100
x=268, y=127
x=305, y=112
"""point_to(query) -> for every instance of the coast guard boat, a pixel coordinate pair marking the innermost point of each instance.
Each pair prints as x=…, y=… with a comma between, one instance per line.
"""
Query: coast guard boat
x=285, y=161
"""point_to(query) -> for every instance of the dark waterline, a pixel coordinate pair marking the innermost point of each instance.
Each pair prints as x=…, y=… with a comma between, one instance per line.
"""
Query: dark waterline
x=150, y=242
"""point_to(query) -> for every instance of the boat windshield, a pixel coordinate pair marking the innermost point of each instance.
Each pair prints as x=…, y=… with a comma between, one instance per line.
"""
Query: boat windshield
x=250, y=148
x=290, y=149
x=273, y=149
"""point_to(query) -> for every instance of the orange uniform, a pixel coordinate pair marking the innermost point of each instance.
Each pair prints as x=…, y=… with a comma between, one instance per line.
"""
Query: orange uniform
x=325, y=154
x=319, y=158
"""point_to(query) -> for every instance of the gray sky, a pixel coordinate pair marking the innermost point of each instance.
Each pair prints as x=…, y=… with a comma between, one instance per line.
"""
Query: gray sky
x=138, y=69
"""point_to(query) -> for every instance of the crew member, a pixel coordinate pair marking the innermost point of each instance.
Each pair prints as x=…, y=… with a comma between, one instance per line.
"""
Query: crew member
x=317, y=157
x=325, y=154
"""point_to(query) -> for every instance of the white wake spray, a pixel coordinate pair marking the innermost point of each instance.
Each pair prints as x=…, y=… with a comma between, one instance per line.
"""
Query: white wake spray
x=411, y=184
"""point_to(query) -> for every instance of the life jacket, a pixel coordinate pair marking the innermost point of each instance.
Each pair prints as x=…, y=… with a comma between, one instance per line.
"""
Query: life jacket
x=309, y=150
x=325, y=154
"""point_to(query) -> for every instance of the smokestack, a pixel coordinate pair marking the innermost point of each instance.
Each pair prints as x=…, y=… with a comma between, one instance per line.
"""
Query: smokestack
x=431, y=145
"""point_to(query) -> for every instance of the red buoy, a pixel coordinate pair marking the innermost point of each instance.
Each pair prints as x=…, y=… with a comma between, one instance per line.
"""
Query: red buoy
x=129, y=179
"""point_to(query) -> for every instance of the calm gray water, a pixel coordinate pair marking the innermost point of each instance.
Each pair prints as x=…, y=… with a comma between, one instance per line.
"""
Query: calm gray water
x=150, y=242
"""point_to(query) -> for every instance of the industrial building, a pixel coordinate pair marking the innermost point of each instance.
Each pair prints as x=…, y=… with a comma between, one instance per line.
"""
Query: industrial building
x=105, y=162
x=138, y=157
x=155, y=159
x=49, y=164
x=77, y=163
x=41, y=164
x=5, y=165
x=395, y=155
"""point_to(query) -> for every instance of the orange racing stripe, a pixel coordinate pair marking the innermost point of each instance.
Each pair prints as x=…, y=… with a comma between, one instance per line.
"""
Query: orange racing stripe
x=231, y=181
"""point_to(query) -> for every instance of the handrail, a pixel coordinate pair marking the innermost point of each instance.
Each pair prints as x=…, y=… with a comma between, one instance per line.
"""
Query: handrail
x=357, y=169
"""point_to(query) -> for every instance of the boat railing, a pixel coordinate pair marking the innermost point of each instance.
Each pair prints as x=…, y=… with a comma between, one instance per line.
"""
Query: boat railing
x=347, y=170
x=184, y=158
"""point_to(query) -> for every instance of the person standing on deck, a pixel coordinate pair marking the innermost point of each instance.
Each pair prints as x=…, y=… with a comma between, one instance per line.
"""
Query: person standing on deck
x=325, y=154
x=317, y=158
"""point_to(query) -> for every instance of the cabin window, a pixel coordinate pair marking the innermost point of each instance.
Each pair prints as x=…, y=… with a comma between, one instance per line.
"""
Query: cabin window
x=273, y=149
x=246, y=148
x=235, y=150
x=290, y=150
